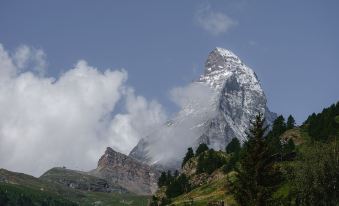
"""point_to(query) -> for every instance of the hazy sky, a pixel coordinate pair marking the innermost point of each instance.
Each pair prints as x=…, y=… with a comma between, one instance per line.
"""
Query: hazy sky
x=293, y=46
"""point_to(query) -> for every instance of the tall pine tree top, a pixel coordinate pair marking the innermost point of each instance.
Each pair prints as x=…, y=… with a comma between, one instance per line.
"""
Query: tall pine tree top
x=256, y=180
x=202, y=148
x=188, y=156
x=290, y=122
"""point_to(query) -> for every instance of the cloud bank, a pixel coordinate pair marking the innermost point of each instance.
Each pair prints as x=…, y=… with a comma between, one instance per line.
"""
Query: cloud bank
x=68, y=120
x=213, y=22
x=169, y=143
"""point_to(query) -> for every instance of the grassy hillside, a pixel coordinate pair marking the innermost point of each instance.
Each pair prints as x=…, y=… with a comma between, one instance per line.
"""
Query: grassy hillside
x=40, y=192
x=12, y=194
x=215, y=191
x=80, y=180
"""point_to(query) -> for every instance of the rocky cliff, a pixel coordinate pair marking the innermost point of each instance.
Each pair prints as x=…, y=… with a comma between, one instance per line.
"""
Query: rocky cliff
x=120, y=169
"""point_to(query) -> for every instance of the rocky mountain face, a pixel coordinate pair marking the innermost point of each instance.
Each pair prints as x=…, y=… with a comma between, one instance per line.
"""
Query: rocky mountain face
x=120, y=169
x=240, y=98
x=225, y=98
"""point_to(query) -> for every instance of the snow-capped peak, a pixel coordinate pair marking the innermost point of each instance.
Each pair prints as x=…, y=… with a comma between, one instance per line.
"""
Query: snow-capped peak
x=220, y=64
x=224, y=52
x=232, y=99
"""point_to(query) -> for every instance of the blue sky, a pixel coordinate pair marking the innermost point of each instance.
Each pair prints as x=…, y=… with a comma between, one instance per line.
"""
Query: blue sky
x=293, y=46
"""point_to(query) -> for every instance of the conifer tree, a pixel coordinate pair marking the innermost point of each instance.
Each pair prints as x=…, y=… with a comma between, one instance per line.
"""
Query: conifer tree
x=188, y=156
x=278, y=128
x=162, y=179
x=256, y=179
x=179, y=186
x=176, y=173
x=202, y=148
x=233, y=146
x=290, y=122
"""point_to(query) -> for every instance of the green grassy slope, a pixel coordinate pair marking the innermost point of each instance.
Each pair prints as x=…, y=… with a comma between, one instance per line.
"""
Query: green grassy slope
x=211, y=192
x=80, y=180
x=38, y=190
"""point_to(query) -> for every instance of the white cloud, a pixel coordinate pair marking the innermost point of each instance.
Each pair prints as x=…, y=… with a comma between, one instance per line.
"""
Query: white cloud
x=47, y=122
x=214, y=22
x=170, y=142
x=30, y=58
x=141, y=117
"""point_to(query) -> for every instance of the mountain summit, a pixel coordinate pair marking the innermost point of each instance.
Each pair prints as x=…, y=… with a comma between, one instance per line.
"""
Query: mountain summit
x=217, y=107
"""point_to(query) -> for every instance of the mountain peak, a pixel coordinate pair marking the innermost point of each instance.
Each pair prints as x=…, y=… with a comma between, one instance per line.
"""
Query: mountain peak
x=233, y=98
x=220, y=64
x=221, y=60
x=224, y=52
x=109, y=150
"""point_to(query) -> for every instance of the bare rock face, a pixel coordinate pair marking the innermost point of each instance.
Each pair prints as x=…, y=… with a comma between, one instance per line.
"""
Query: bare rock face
x=119, y=169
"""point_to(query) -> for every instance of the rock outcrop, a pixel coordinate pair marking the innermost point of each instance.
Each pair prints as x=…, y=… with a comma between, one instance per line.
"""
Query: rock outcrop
x=120, y=169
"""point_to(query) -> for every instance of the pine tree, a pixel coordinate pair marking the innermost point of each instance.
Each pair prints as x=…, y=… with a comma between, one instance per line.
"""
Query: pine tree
x=210, y=161
x=323, y=126
x=169, y=177
x=233, y=146
x=201, y=148
x=290, y=122
x=179, y=186
x=162, y=179
x=188, y=156
x=256, y=179
x=278, y=128
x=176, y=173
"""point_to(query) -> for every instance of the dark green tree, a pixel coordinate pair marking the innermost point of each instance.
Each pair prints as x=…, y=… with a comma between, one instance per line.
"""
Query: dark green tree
x=278, y=128
x=290, y=122
x=3, y=198
x=179, y=186
x=169, y=178
x=154, y=201
x=176, y=173
x=162, y=181
x=233, y=146
x=210, y=161
x=188, y=156
x=323, y=126
x=316, y=176
x=257, y=178
x=24, y=201
x=201, y=148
